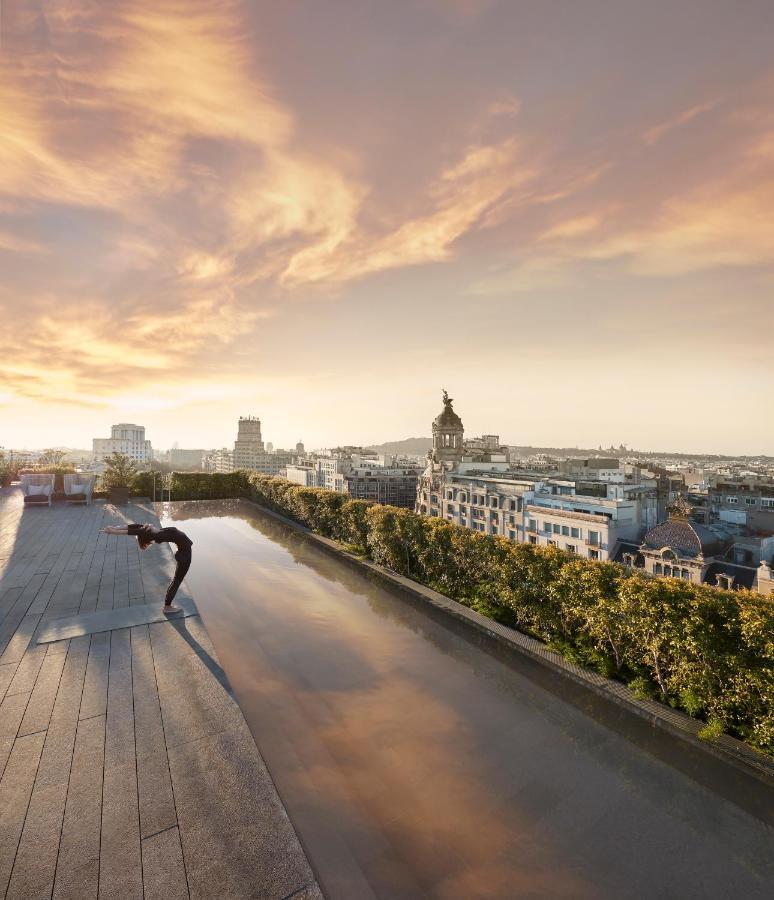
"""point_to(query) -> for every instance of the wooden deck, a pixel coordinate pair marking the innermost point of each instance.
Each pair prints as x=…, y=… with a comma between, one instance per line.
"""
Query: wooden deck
x=126, y=767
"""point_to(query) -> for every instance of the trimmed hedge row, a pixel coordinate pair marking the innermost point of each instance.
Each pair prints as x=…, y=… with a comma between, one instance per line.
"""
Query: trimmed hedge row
x=707, y=651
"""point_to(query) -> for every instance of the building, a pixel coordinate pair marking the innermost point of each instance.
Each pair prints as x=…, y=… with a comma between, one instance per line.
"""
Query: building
x=680, y=547
x=361, y=474
x=472, y=483
x=302, y=474
x=251, y=454
x=186, y=460
x=392, y=485
x=124, y=438
x=746, y=500
x=249, y=444
x=220, y=461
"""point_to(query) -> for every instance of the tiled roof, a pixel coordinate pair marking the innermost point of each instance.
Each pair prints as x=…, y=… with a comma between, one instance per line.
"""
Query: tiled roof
x=744, y=576
x=684, y=537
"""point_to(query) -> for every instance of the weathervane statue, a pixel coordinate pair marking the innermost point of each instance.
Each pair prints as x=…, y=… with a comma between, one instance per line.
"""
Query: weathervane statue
x=447, y=400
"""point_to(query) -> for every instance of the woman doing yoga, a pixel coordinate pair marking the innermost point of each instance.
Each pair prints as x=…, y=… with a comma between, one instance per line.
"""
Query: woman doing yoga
x=147, y=535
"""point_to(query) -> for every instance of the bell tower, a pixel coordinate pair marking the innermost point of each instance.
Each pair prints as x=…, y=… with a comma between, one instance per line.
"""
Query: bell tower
x=448, y=432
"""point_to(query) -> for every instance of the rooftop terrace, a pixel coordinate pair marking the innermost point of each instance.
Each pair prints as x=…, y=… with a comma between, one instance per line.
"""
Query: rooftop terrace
x=126, y=766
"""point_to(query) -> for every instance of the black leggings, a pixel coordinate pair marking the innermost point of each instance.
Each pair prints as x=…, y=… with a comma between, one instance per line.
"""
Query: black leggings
x=183, y=558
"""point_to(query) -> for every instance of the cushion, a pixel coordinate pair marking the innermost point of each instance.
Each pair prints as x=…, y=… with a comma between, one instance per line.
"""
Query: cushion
x=36, y=490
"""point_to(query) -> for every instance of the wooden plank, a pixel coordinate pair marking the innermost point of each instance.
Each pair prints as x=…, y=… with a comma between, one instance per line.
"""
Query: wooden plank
x=77, y=870
x=15, y=790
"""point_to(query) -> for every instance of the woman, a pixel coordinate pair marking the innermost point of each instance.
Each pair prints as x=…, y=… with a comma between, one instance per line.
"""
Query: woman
x=147, y=535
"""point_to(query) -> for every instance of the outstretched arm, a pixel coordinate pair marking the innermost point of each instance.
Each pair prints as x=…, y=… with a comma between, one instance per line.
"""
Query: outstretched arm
x=115, y=529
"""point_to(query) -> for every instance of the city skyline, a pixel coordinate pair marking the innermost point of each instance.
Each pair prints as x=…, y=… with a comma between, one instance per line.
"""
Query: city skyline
x=322, y=218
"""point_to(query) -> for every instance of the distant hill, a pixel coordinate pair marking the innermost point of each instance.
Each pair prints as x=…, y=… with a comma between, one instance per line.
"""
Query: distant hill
x=416, y=446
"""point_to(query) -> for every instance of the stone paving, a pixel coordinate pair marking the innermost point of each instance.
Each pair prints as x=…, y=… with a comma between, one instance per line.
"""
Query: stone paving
x=126, y=767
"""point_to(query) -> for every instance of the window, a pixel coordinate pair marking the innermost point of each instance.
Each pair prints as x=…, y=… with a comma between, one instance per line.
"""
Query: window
x=532, y=526
x=593, y=554
x=547, y=527
x=463, y=498
x=450, y=509
x=750, y=501
x=657, y=569
x=593, y=537
x=570, y=548
x=557, y=529
x=575, y=532
x=494, y=502
x=450, y=495
x=668, y=571
x=532, y=539
x=685, y=574
x=512, y=504
x=732, y=500
x=566, y=530
x=512, y=535
x=767, y=502
x=552, y=544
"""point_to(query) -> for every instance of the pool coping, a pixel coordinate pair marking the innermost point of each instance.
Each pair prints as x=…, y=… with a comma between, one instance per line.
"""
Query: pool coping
x=675, y=722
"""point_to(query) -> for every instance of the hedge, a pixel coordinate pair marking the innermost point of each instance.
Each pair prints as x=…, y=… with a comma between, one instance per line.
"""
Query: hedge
x=707, y=651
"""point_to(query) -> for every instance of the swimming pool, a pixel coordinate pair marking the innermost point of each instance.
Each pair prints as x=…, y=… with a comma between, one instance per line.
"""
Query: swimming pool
x=418, y=758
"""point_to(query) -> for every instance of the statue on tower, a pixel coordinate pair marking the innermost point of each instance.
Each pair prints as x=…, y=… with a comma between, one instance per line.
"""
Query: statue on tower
x=447, y=400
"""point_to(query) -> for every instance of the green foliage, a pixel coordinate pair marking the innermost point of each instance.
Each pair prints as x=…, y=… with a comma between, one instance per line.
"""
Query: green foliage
x=208, y=486
x=707, y=651
x=120, y=471
x=712, y=730
x=144, y=484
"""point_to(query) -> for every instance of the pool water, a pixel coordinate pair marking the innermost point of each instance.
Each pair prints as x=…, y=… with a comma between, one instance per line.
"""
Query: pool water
x=418, y=758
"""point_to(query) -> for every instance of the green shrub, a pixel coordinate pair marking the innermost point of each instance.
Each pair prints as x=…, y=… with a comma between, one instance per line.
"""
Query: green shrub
x=712, y=730
x=120, y=471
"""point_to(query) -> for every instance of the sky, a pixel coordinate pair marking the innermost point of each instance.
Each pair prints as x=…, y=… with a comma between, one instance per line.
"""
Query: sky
x=324, y=213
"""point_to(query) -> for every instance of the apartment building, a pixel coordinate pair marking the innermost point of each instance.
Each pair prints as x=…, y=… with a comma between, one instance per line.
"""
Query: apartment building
x=124, y=438
x=743, y=500
x=393, y=485
x=220, y=461
x=583, y=515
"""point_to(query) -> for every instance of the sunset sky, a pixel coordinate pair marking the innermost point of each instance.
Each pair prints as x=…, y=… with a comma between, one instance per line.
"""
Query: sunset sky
x=323, y=213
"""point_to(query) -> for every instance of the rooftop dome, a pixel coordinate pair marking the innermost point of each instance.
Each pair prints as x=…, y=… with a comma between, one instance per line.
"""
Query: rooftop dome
x=684, y=537
x=447, y=418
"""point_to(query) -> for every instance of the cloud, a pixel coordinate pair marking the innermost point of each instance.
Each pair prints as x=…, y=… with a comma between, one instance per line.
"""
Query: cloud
x=656, y=132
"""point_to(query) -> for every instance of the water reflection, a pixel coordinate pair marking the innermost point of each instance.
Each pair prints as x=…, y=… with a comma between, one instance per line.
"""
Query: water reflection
x=417, y=760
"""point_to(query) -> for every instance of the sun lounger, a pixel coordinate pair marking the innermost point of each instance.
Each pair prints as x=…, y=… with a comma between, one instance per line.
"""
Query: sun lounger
x=78, y=488
x=38, y=489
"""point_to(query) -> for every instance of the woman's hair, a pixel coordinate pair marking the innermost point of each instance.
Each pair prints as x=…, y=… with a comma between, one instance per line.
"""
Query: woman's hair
x=145, y=537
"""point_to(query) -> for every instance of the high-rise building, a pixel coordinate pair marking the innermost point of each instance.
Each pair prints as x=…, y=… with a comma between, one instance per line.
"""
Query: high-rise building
x=250, y=453
x=124, y=438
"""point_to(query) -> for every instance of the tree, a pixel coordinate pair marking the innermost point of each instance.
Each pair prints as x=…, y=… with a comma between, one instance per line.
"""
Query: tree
x=120, y=471
x=52, y=457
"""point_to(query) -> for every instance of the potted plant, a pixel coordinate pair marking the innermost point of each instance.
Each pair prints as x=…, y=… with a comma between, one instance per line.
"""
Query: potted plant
x=119, y=477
